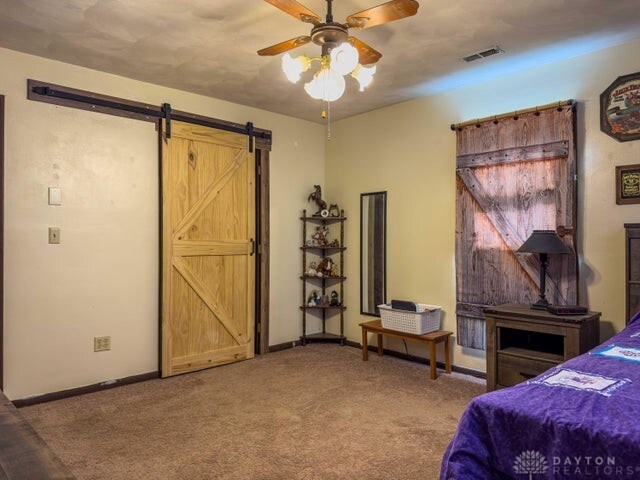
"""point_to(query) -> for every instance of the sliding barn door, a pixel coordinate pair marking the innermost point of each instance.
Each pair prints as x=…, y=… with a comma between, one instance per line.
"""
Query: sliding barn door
x=208, y=294
x=514, y=176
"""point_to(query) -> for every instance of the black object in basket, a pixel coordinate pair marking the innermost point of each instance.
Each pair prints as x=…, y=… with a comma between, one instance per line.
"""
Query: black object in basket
x=404, y=305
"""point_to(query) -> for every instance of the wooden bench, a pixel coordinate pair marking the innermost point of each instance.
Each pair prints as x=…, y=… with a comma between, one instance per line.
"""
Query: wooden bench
x=431, y=338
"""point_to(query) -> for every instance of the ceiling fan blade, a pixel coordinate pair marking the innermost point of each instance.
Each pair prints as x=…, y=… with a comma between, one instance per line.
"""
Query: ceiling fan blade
x=385, y=13
x=284, y=46
x=368, y=55
x=297, y=10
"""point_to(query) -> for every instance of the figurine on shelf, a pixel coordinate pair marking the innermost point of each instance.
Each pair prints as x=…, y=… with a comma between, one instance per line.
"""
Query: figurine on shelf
x=316, y=196
x=312, y=271
x=324, y=301
x=334, y=271
x=313, y=299
x=319, y=238
x=326, y=267
x=334, y=211
x=335, y=299
x=335, y=243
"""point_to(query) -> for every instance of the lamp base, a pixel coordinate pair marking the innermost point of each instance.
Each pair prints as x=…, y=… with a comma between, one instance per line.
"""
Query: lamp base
x=541, y=304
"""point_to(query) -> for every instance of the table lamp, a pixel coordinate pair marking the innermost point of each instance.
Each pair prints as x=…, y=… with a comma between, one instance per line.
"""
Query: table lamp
x=544, y=242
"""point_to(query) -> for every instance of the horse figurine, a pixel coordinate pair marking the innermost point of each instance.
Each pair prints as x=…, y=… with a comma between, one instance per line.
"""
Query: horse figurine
x=316, y=196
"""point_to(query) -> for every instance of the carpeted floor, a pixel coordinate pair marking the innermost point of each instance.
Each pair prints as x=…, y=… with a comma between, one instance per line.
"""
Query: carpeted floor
x=315, y=412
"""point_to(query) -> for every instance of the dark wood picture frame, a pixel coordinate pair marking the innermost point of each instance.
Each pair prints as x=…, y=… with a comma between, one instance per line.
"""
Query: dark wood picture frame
x=630, y=193
x=627, y=116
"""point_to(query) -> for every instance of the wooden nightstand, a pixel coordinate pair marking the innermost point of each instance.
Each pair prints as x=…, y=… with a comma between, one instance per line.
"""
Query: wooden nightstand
x=523, y=343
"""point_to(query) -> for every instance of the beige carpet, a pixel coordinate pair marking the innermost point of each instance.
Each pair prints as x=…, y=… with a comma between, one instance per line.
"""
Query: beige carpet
x=315, y=412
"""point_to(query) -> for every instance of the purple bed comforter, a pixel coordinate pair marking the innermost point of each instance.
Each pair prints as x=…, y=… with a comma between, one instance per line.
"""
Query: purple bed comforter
x=580, y=419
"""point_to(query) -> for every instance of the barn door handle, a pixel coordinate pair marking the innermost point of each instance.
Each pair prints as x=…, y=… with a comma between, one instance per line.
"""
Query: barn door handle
x=253, y=247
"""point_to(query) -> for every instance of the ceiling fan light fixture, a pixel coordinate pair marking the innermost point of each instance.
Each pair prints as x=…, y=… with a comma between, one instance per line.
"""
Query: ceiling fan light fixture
x=364, y=75
x=294, y=67
x=342, y=54
x=327, y=85
x=344, y=58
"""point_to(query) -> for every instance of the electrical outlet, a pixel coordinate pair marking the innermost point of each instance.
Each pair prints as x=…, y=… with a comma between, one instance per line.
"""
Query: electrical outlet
x=101, y=344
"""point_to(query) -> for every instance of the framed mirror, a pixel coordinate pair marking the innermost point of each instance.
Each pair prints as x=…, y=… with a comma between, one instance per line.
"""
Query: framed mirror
x=373, y=252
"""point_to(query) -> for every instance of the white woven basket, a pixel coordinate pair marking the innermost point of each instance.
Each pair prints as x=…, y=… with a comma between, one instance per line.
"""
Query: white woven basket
x=418, y=323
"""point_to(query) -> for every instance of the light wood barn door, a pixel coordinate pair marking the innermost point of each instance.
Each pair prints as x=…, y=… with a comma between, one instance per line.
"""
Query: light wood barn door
x=514, y=176
x=208, y=294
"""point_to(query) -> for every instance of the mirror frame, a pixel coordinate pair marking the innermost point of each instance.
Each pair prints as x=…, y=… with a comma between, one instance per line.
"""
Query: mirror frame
x=384, y=233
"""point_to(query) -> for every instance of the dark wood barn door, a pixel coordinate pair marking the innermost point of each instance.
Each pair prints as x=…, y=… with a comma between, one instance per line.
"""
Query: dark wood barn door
x=513, y=176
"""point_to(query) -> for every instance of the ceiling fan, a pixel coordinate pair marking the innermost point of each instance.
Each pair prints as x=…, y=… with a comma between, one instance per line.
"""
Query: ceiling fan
x=342, y=54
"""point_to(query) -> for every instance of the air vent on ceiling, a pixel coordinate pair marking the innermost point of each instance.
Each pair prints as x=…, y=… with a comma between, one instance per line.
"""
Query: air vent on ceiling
x=484, y=54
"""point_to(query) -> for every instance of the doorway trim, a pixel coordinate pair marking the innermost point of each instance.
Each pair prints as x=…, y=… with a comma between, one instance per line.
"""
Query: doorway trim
x=262, y=262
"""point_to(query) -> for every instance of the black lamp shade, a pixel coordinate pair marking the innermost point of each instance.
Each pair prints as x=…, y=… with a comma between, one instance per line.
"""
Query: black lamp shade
x=544, y=241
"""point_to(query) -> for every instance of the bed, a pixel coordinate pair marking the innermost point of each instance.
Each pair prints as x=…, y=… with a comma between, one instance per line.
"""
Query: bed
x=580, y=419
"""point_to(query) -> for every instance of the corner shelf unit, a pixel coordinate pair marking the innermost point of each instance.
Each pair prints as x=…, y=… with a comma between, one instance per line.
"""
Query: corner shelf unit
x=321, y=282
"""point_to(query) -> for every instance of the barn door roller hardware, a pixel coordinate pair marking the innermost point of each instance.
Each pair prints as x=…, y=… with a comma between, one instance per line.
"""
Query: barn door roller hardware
x=250, y=134
x=96, y=102
x=166, y=109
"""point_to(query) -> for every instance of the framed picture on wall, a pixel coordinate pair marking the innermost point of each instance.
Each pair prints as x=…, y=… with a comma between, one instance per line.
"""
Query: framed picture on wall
x=620, y=108
x=627, y=184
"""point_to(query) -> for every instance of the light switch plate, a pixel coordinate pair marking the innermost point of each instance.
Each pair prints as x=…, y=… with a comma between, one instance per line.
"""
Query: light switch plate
x=54, y=235
x=55, y=196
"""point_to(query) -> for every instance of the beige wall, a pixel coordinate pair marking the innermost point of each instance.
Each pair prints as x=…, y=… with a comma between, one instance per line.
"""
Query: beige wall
x=408, y=150
x=102, y=279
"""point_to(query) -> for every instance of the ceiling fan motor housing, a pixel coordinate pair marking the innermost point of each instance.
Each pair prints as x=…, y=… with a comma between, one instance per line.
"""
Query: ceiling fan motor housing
x=329, y=35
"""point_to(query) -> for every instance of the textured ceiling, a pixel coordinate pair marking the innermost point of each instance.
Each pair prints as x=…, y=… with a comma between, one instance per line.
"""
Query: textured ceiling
x=208, y=46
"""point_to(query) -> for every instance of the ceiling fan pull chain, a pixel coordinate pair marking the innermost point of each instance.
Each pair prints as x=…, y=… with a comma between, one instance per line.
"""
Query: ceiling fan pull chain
x=328, y=121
